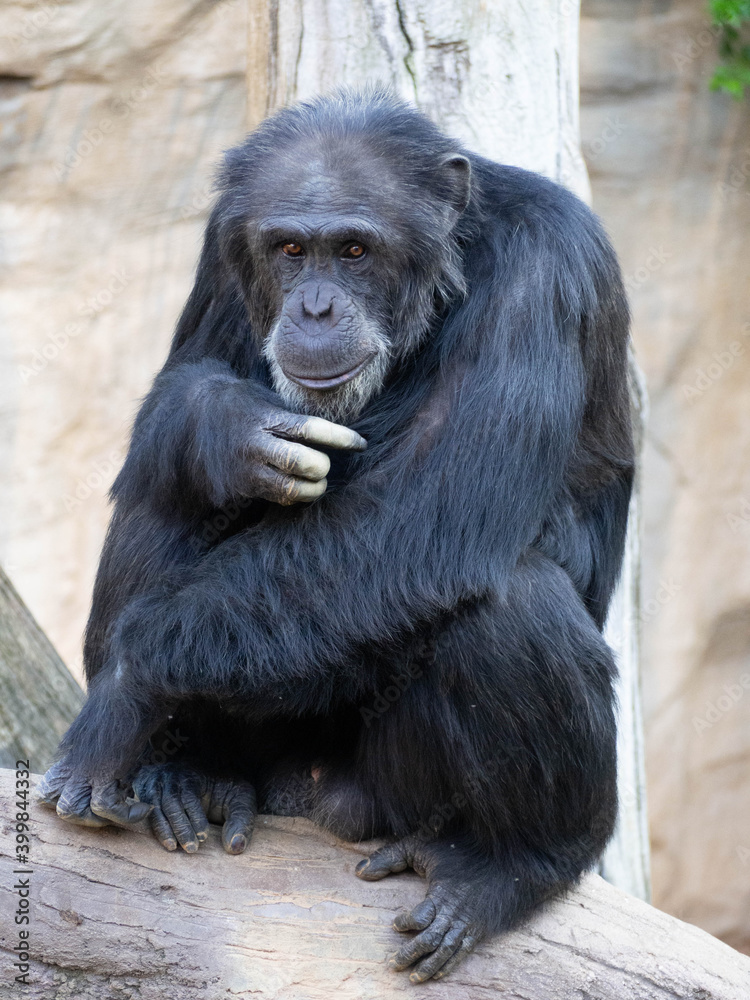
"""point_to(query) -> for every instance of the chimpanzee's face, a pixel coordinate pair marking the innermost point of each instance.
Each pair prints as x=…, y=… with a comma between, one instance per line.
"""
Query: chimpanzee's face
x=335, y=254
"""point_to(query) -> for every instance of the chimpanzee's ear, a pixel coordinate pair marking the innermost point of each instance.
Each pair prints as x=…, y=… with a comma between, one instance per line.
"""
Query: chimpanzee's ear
x=455, y=174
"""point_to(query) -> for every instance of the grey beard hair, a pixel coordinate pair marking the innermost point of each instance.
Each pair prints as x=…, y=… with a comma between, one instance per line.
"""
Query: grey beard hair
x=343, y=404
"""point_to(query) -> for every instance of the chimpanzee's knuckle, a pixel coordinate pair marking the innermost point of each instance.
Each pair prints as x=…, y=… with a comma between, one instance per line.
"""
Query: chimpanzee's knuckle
x=74, y=800
x=283, y=456
x=285, y=422
x=291, y=489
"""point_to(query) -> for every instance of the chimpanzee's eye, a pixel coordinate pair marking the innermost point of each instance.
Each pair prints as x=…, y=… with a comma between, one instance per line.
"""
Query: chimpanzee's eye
x=293, y=250
x=355, y=251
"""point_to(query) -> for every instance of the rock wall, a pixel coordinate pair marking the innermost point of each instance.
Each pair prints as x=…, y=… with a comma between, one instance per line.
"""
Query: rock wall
x=112, y=116
x=669, y=165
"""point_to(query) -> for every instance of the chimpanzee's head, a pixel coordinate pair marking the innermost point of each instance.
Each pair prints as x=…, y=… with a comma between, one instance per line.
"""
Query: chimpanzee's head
x=339, y=218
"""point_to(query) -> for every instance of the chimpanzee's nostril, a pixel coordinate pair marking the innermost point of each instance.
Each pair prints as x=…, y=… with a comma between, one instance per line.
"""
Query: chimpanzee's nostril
x=317, y=302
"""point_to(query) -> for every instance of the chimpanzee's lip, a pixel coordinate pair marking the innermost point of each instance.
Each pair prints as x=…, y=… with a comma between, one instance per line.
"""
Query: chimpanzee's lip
x=329, y=381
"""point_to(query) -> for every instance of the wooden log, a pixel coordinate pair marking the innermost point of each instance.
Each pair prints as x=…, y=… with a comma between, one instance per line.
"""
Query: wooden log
x=113, y=915
x=39, y=697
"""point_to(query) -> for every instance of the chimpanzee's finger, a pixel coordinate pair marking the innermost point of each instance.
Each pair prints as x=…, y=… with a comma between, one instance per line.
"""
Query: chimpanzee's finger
x=286, y=490
x=240, y=808
x=469, y=944
x=432, y=964
x=48, y=790
x=172, y=807
x=299, y=460
x=416, y=919
x=192, y=805
x=74, y=804
x=423, y=944
x=162, y=830
x=316, y=430
x=391, y=858
x=110, y=802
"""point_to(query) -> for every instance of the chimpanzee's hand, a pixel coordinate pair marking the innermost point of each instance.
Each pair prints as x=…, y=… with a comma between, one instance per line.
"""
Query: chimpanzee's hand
x=185, y=800
x=279, y=467
x=221, y=438
x=85, y=803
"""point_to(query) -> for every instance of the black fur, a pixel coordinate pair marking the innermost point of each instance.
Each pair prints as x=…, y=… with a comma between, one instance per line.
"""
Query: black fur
x=470, y=553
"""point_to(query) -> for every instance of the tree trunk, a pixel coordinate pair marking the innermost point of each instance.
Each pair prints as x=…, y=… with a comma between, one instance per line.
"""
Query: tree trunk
x=39, y=697
x=113, y=915
x=502, y=77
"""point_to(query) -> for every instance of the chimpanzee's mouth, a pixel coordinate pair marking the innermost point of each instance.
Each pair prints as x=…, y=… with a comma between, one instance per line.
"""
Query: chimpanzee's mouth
x=330, y=381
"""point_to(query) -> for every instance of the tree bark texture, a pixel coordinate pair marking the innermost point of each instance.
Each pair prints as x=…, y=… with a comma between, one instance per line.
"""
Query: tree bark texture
x=113, y=915
x=39, y=697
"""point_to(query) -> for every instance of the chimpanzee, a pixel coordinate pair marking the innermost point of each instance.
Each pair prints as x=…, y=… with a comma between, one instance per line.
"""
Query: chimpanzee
x=369, y=524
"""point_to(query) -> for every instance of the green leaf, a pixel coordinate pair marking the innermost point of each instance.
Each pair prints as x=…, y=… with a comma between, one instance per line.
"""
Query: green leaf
x=730, y=11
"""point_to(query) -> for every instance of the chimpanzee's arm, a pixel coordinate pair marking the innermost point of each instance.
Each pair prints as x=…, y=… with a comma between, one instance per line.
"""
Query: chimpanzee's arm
x=436, y=517
x=206, y=437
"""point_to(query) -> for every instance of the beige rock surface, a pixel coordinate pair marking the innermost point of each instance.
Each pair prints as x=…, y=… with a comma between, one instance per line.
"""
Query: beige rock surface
x=669, y=165
x=113, y=117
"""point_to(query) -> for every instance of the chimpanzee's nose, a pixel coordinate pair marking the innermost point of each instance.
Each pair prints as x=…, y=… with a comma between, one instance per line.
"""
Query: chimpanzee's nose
x=317, y=299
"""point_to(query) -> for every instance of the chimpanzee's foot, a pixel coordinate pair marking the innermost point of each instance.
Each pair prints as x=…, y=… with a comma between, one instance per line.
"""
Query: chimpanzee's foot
x=452, y=918
x=184, y=801
x=85, y=803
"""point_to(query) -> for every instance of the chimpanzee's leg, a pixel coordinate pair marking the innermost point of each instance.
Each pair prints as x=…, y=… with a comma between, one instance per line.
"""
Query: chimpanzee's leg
x=497, y=767
x=90, y=778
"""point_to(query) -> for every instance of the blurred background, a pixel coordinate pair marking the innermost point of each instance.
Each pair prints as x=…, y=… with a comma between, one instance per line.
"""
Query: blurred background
x=112, y=119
